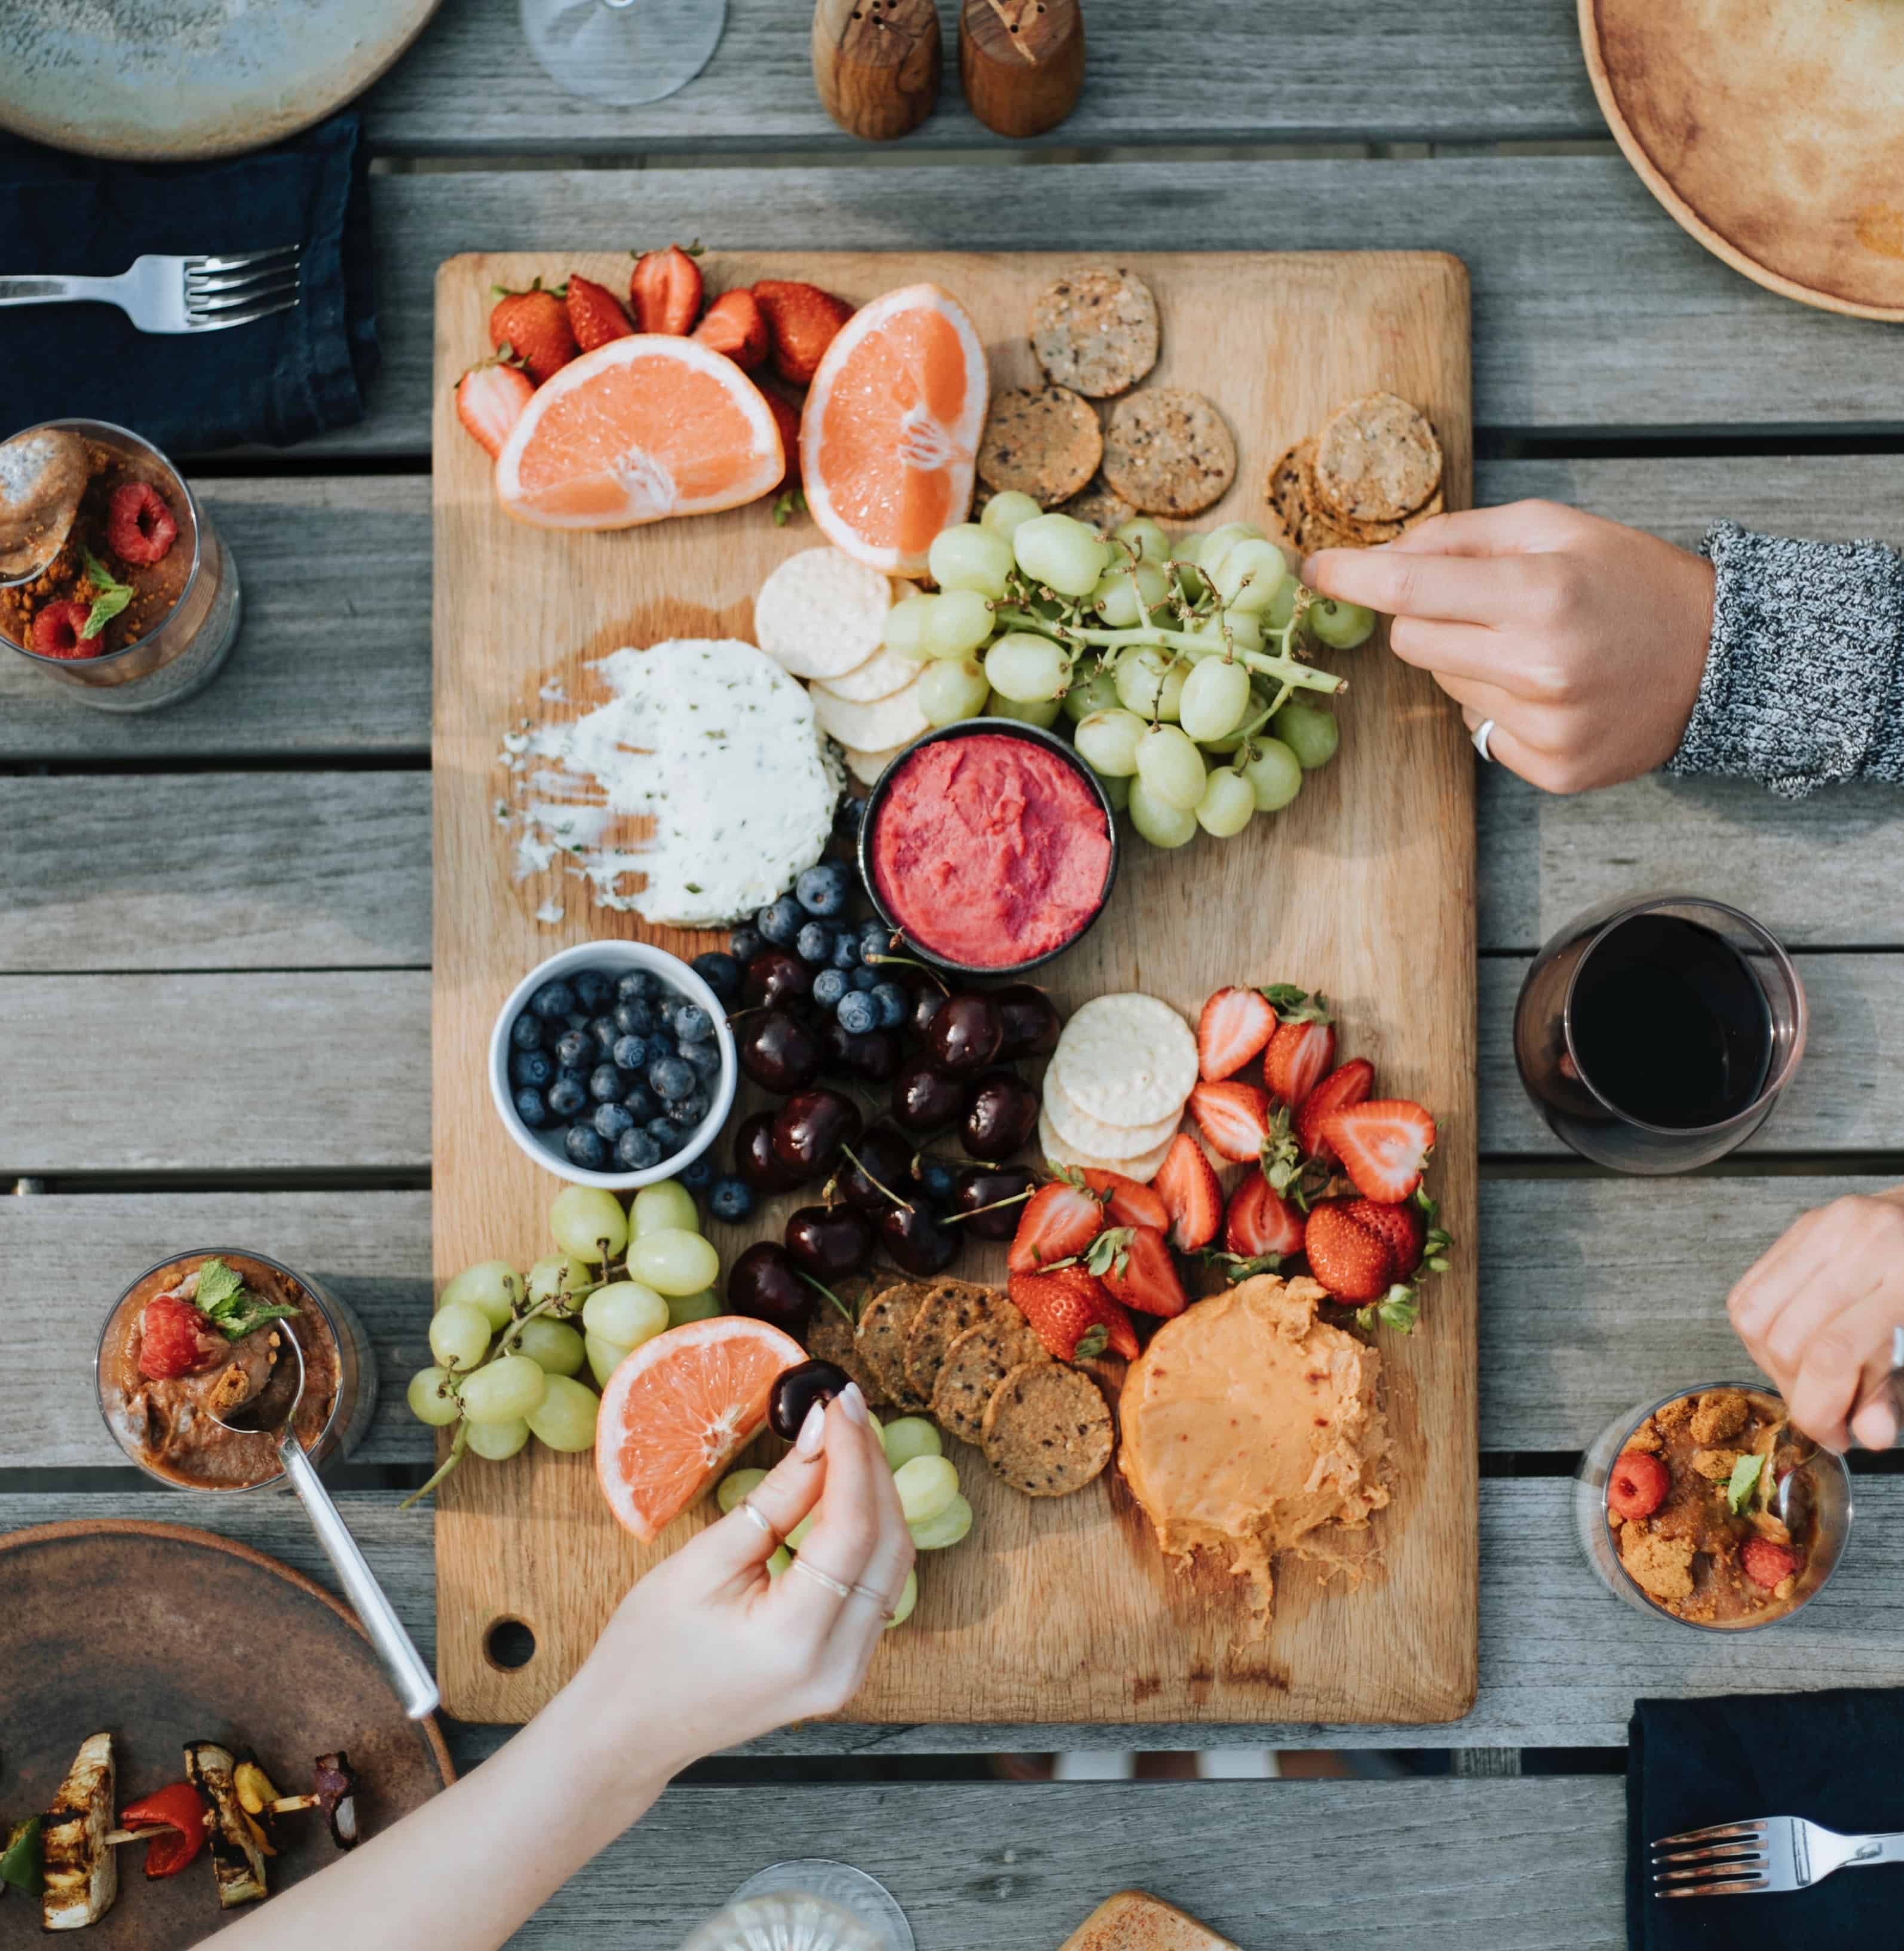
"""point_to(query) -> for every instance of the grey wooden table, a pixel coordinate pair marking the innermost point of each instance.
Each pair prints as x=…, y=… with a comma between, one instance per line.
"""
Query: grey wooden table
x=215, y=937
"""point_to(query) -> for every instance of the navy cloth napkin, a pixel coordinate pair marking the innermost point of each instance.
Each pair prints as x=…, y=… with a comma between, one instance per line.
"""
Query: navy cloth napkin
x=1836, y=1757
x=278, y=380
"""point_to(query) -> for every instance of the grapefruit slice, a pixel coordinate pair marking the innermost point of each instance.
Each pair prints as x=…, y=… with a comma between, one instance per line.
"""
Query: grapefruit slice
x=640, y=429
x=680, y=1408
x=891, y=430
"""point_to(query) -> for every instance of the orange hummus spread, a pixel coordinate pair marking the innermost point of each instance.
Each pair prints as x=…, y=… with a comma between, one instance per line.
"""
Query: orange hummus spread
x=1251, y=1428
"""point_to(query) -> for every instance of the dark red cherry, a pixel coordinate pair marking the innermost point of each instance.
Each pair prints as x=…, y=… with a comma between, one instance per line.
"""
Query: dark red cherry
x=754, y=1160
x=777, y=1051
x=966, y=1032
x=775, y=978
x=794, y=1392
x=924, y=1098
x=872, y=1054
x=926, y=999
x=809, y=1129
x=765, y=1283
x=830, y=1242
x=1031, y=1019
x=880, y=1165
x=1000, y=1116
x=918, y=1239
x=995, y=1196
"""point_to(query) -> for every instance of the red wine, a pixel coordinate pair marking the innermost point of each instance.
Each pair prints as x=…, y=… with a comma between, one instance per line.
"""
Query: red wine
x=1670, y=1024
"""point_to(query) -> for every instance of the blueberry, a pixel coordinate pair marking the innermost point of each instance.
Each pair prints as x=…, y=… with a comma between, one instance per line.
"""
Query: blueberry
x=671, y=1079
x=637, y=985
x=604, y=1030
x=814, y=943
x=721, y=972
x=829, y=986
x=630, y=1053
x=864, y=979
x=848, y=816
x=535, y=1068
x=692, y=1024
x=846, y=950
x=532, y=1108
x=780, y=922
x=584, y=1148
x=937, y=1178
x=893, y=1003
x=641, y=1102
x=666, y=1011
x=635, y=1018
x=592, y=990
x=858, y=1013
x=699, y=1175
x=875, y=938
x=569, y=1095
x=662, y=1130
x=611, y=1120
x=706, y=1059
x=525, y=1032
x=607, y=1085
x=661, y=1045
x=743, y=944
x=553, y=1000
x=574, y=1050
x=635, y=1150
x=687, y=1112
x=732, y=1200
x=826, y=889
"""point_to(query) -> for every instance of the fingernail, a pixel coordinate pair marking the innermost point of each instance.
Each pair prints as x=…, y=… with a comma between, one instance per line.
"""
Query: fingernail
x=854, y=1403
x=812, y=1432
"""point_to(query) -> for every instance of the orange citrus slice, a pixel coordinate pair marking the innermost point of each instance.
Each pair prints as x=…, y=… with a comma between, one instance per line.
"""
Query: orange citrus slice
x=642, y=428
x=892, y=426
x=680, y=1408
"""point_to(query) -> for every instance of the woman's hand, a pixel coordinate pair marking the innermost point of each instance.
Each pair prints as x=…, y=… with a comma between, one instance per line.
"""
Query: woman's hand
x=1816, y=1314
x=1583, y=641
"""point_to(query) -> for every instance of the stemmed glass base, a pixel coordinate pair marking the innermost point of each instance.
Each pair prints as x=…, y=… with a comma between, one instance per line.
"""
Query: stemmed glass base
x=623, y=51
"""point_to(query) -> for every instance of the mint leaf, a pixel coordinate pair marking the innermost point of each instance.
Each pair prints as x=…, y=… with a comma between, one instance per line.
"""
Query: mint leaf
x=1745, y=1474
x=112, y=597
x=231, y=1307
x=218, y=1286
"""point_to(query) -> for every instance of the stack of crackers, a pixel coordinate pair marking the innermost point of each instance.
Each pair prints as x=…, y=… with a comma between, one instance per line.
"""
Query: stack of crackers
x=1373, y=471
x=964, y=1354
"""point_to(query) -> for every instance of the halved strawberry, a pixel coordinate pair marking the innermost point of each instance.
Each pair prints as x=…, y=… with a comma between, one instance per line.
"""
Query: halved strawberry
x=733, y=325
x=1353, y=1262
x=1383, y=1145
x=1135, y=1265
x=1348, y=1084
x=1298, y=1053
x=664, y=291
x=1261, y=1220
x=1404, y=1227
x=489, y=401
x=595, y=314
x=1069, y=1310
x=1187, y=1184
x=1059, y=1220
x=786, y=417
x=1126, y=1203
x=1235, y=1118
x=1235, y=1024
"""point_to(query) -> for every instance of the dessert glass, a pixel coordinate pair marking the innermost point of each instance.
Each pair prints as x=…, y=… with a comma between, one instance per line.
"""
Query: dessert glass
x=182, y=652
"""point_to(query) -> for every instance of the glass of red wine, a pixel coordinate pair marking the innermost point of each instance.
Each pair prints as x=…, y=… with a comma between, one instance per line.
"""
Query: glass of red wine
x=1655, y=1033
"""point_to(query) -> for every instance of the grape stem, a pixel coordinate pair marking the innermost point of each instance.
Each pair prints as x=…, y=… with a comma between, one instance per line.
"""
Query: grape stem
x=1293, y=676
x=460, y=1442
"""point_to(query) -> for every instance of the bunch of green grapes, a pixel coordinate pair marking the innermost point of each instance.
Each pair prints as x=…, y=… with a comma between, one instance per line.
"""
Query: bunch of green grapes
x=509, y=1355
x=927, y=1480
x=1175, y=661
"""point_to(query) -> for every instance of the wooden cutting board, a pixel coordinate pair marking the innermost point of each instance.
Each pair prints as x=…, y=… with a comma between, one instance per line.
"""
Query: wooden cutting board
x=1060, y=1610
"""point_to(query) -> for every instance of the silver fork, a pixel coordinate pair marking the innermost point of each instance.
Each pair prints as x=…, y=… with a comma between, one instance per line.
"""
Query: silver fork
x=162, y=294
x=1766, y=1853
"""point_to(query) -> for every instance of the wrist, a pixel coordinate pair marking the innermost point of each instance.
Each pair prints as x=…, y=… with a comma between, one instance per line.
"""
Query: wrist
x=616, y=1761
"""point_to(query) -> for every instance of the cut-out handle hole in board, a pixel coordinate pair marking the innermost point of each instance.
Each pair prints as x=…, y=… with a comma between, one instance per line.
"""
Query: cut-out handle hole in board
x=509, y=1645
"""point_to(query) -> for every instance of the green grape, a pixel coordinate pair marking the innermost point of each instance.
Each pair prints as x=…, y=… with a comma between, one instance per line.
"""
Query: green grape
x=1171, y=767
x=905, y=622
x=797, y=1535
x=1141, y=676
x=1151, y=543
x=500, y=1390
x=564, y=1274
x=1232, y=632
x=1218, y=543
x=1108, y=742
x=553, y=1346
x=1250, y=573
x=1095, y=691
x=947, y=1529
x=951, y=689
x=683, y=1308
x=969, y=557
x=906, y=1436
x=1117, y=790
x=588, y=1223
x=1117, y=596
x=1282, y=606
x=735, y=1485
x=1215, y=699
x=626, y=1314
x=1027, y=668
x=498, y=1441
x=604, y=1358
x=1309, y=731
x=1170, y=699
x=666, y=1203
x=1189, y=547
x=1228, y=804
x=565, y=1419
x=1341, y=626
x=926, y=1487
x=908, y=1599
x=673, y=1261
x=958, y=624
x=1185, y=552
x=494, y=1286
x=780, y=1561
x=1005, y=514
x=1275, y=776
x=1161, y=823
x=459, y=1336
x=1062, y=552
x=1041, y=712
x=432, y=1400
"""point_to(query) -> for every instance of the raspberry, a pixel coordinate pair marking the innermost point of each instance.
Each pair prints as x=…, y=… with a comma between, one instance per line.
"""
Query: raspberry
x=139, y=526
x=56, y=632
x=175, y=1339
x=1767, y=1564
x=1638, y=1485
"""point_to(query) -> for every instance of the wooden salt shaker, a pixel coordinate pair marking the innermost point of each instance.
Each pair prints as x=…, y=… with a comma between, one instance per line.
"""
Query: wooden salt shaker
x=1022, y=61
x=876, y=64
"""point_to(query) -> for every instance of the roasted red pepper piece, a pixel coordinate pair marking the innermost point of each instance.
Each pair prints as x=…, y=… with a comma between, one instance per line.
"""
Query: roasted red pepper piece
x=176, y=1814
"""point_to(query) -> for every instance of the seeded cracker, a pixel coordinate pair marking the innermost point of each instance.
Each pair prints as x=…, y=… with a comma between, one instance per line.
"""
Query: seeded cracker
x=884, y=1323
x=1047, y=1430
x=1101, y=506
x=951, y=1307
x=977, y=1362
x=1376, y=461
x=830, y=1338
x=1095, y=331
x=1045, y=444
x=1168, y=452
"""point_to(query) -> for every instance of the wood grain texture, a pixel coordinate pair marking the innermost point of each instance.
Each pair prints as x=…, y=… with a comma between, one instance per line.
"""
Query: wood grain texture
x=1022, y=63
x=877, y=64
x=1279, y=341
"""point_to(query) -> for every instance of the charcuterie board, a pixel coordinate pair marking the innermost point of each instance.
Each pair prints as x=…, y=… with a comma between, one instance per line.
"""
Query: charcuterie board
x=1059, y=1609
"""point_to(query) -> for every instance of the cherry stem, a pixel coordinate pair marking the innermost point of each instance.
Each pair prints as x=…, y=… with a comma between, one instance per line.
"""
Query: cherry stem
x=904, y=1204
x=997, y=1205
x=910, y=962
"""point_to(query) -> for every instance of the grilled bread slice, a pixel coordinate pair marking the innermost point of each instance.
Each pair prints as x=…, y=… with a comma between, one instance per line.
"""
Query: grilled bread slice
x=237, y=1863
x=82, y=1870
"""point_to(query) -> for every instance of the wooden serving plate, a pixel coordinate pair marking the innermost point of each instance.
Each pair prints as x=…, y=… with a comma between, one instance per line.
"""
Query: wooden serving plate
x=1058, y=1610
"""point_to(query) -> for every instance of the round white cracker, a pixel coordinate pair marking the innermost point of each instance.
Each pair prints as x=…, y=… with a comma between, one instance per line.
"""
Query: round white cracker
x=1126, y=1060
x=875, y=727
x=883, y=674
x=821, y=614
x=1084, y=1133
x=1143, y=1168
x=866, y=766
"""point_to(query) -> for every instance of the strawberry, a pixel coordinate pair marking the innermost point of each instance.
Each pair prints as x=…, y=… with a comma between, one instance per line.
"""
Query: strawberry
x=1353, y=1262
x=1261, y=1221
x=1638, y=1485
x=1188, y=1186
x=1301, y=1049
x=1404, y=1227
x=1235, y=1118
x=175, y=1339
x=1126, y=1203
x=1341, y=1089
x=802, y=320
x=733, y=325
x=57, y=627
x=1767, y=1564
x=1059, y=1220
x=1135, y=1266
x=489, y=401
x=596, y=315
x=531, y=329
x=786, y=417
x=1072, y=1314
x=664, y=291
x=139, y=526
x=1383, y=1145
x=1235, y=1024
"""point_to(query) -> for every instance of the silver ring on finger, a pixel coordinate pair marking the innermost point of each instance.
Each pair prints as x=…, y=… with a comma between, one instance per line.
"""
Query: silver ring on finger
x=758, y=1518
x=838, y=1586
x=1481, y=734
x=887, y=1610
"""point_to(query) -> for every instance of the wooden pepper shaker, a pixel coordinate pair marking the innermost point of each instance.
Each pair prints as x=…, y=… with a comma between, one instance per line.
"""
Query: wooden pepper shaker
x=876, y=64
x=1022, y=62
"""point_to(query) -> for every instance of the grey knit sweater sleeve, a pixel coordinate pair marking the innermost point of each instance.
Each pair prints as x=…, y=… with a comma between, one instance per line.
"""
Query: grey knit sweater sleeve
x=1804, y=682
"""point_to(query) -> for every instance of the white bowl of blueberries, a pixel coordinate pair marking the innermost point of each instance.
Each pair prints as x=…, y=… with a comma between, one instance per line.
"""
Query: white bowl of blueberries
x=611, y=1064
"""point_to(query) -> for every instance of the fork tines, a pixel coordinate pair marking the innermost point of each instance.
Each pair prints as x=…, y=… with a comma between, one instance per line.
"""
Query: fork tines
x=1728, y=1859
x=235, y=290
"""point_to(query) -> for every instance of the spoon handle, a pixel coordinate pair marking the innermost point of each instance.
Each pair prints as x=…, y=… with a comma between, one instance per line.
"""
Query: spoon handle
x=415, y=1684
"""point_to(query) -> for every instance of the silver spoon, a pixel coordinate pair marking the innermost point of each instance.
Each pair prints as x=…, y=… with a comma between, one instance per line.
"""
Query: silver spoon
x=415, y=1684
x=1888, y=1382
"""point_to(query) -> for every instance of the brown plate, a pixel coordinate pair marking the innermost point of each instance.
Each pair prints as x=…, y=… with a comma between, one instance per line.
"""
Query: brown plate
x=163, y=1635
x=1770, y=132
